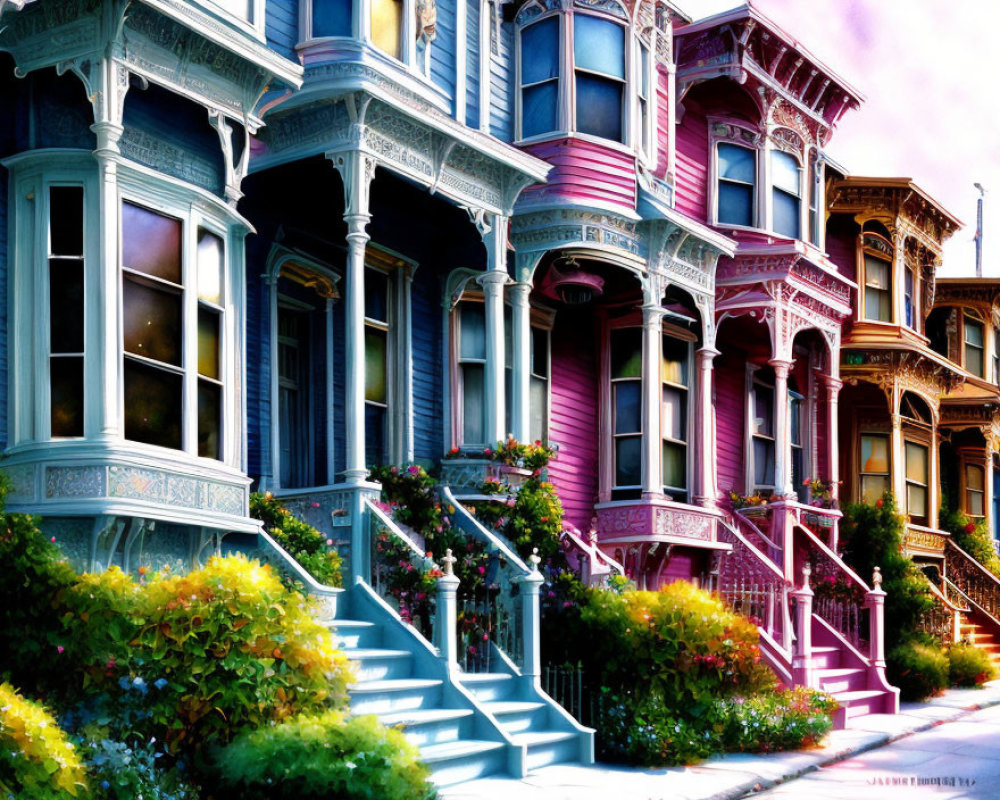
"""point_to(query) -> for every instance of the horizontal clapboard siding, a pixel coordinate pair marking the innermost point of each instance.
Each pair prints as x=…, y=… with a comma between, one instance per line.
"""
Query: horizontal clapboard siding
x=585, y=171
x=692, y=165
x=425, y=302
x=444, y=47
x=502, y=85
x=574, y=420
x=281, y=26
x=730, y=411
x=472, y=62
x=664, y=119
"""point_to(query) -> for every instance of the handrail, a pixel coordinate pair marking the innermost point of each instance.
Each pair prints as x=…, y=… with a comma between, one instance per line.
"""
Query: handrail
x=473, y=526
x=774, y=547
x=299, y=573
x=975, y=564
x=765, y=560
x=833, y=556
x=572, y=533
x=390, y=523
x=951, y=607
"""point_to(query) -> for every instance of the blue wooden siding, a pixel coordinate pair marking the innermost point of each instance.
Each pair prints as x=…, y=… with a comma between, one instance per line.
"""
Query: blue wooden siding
x=502, y=86
x=472, y=63
x=281, y=26
x=425, y=304
x=444, y=48
x=258, y=366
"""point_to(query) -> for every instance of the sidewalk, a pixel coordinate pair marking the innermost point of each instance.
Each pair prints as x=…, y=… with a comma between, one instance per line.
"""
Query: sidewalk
x=729, y=776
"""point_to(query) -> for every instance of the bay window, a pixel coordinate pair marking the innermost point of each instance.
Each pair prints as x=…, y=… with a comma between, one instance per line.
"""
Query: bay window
x=762, y=434
x=737, y=184
x=916, y=482
x=909, y=287
x=66, y=310
x=786, y=194
x=626, y=407
x=584, y=73
x=172, y=331
x=874, y=466
x=675, y=375
x=974, y=346
x=538, y=385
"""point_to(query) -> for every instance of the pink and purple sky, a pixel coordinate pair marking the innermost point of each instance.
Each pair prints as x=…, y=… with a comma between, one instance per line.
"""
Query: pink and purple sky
x=932, y=108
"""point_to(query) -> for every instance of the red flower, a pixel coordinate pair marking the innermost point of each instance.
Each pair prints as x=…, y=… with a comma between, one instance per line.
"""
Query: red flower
x=879, y=503
x=970, y=528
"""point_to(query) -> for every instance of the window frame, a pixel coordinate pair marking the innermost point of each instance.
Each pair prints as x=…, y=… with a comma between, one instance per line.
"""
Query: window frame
x=635, y=137
x=624, y=491
x=668, y=332
x=755, y=380
x=970, y=321
x=967, y=463
x=918, y=519
x=876, y=247
x=192, y=220
x=253, y=24
x=862, y=474
x=458, y=375
x=754, y=196
x=776, y=153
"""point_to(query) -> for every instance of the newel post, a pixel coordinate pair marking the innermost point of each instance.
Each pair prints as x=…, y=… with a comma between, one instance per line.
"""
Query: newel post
x=446, y=622
x=531, y=621
x=875, y=602
x=802, y=660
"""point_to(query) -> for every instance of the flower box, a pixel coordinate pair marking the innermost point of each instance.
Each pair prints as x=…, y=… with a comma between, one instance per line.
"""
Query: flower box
x=819, y=520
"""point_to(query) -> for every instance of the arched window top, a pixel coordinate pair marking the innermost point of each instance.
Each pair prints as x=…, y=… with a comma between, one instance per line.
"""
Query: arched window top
x=915, y=408
x=877, y=244
x=530, y=11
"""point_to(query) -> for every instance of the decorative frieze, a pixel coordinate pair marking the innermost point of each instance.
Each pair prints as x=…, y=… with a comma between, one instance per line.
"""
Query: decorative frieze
x=162, y=155
x=644, y=519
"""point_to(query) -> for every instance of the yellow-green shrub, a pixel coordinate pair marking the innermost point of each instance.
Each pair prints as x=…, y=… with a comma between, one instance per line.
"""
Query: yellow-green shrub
x=968, y=665
x=36, y=759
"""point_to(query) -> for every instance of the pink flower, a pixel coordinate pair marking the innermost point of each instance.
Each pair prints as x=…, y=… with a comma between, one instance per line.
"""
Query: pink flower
x=53, y=538
x=60, y=649
x=413, y=469
x=315, y=505
x=329, y=542
x=482, y=570
x=486, y=637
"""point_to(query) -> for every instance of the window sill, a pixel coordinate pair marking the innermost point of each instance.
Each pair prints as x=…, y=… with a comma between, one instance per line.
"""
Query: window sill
x=555, y=136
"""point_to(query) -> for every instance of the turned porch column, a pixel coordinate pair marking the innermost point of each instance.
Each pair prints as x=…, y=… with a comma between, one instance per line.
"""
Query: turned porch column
x=652, y=397
x=782, y=431
x=520, y=413
x=357, y=170
x=833, y=387
x=897, y=460
x=493, y=230
x=707, y=486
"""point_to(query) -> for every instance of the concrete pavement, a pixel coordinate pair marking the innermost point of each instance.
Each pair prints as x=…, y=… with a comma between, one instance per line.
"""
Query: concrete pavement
x=956, y=735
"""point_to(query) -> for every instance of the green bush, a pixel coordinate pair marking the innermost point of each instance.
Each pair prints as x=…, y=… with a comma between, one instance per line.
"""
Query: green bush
x=873, y=537
x=968, y=665
x=302, y=541
x=119, y=771
x=783, y=720
x=310, y=757
x=972, y=536
x=919, y=670
x=37, y=761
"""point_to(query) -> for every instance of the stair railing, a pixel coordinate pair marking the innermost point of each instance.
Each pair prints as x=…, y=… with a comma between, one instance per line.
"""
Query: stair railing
x=402, y=574
x=281, y=561
x=495, y=617
x=594, y=565
x=978, y=585
x=761, y=541
x=752, y=584
x=943, y=620
x=840, y=595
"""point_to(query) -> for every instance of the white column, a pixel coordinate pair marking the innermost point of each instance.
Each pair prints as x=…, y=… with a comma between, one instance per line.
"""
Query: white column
x=705, y=447
x=988, y=496
x=521, y=373
x=652, y=398
x=833, y=387
x=897, y=459
x=493, y=229
x=357, y=170
x=933, y=478
x=782, y=431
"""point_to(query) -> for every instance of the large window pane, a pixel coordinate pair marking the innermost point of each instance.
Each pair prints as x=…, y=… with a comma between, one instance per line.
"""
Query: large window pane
x=876, y=273
x=763, y=463
x=628, y=461
x=873, y=487
x=626, y=353
x=473, y=404
x=375, y=434
x=628, y=407
x=540, y=51
x=209, y=419
x=674, y=465
x=153, y=405
x=66, y=382
x=675, y=357
x=875, y=454
x=331, y=17
x=375, y=365
x=539, y=352
x=916, y=463
x=735, y=204
x=785, y=215
x=598, y=46
x=66, y=221
x=916, y=500
x=785, y=172
x=152, y=322
x=210, y=253
x=208, y=343
x=66, y=305
x=387, y=22
x=763, y=402
x=599, y=106
x=151, y=243
x=538, y=390
x=737, y=163
x=539, y=106
x=673, y=414
x=376, y=295
x=473, y=322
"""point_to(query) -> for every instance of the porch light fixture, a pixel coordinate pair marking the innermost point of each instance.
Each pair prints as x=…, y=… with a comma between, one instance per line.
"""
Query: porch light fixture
x=568, y=282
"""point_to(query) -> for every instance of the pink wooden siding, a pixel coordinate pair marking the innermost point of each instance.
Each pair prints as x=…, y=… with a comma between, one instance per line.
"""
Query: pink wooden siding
x=682, y=565
x=730, y=407
x=663, y=121
x=692, y=165
x=584, y=171
x=574, y=419
x=840, y=247
x=822, y=437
